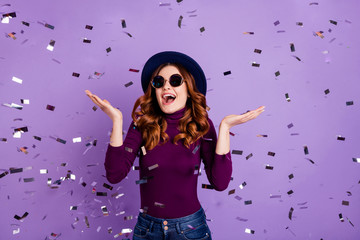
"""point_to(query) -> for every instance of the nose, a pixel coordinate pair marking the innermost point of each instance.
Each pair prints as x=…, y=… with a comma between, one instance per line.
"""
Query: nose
x=166, y=84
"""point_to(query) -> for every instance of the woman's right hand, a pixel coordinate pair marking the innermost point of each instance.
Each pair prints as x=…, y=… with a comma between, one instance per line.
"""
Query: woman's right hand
x=105, y=106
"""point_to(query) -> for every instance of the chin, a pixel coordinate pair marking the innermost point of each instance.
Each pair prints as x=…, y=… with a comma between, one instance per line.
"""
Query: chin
x=170, y=109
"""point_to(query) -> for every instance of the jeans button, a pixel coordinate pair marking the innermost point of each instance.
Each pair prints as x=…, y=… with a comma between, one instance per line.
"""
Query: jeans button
x=166, y=228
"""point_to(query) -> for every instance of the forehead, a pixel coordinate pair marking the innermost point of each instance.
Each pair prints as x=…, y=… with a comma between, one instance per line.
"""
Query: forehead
x=169, y=70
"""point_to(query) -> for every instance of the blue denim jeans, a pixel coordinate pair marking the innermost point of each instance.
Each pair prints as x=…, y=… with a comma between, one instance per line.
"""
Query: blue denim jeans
x=192, y=227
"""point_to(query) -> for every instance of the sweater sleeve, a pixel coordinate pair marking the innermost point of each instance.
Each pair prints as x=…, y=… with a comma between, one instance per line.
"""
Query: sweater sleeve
x=119, y=160
x=218, y=167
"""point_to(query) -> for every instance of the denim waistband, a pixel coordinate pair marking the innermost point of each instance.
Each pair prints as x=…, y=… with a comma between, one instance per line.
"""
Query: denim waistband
x=179, y=224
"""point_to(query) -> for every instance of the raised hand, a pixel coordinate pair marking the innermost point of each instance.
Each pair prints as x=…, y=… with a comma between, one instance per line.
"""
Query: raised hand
x=233, y=120
x=223, y=143
x=105, y=106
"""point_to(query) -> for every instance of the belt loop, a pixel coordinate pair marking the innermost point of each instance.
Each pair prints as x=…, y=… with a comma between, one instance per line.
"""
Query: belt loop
x=178, y=227
x=151, y=225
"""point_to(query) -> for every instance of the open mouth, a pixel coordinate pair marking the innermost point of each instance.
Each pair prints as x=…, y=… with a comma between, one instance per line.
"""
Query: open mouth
x=168, y=98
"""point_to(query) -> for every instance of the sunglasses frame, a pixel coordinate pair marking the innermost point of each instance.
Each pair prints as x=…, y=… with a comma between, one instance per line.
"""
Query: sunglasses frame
x=175, y=74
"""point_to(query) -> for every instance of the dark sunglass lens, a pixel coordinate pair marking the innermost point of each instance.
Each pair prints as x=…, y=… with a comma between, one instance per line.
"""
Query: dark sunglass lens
x=175, y=80
x=158, y=82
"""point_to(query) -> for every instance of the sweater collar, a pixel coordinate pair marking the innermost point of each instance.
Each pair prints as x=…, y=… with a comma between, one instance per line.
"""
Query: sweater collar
x=174, y=117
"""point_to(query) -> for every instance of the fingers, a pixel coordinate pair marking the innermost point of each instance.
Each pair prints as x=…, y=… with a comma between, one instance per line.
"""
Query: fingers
x=259, y=110
x=254, y=113
x=95, y=99
x=87, y=92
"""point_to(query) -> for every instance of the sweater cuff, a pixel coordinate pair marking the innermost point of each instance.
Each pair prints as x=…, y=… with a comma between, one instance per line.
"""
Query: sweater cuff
x=223, y=157
x=116, y=149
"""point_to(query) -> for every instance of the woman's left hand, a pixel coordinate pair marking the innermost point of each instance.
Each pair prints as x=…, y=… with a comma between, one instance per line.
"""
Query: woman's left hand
x=233, y=120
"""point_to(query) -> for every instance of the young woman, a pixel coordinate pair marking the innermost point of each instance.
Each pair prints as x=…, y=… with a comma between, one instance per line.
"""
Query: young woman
x=173, y=134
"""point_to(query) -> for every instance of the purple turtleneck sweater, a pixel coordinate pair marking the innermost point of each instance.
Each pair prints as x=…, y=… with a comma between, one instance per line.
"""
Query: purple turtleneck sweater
x=169, y=172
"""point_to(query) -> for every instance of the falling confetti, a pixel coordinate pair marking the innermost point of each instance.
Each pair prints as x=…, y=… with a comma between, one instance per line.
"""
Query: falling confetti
x=257, y=51
x=195, y=149
x=339, y=137
x=12, y=35
x=262, y=135
x=180, y=21
x=249, y=156
x=128, y=84
x=21, y=219
x=49, y=26
x=143, y=150
x=291, y=212
x=306, y=150
x=247, y=230
x=271, y=154
x=105, y=185
x=241, y=219
x=287, y=97
x=141, y=181
x=17, y=80
x=164, y=4
x=128, y=34
x=123, y=23
x=77, y=140
x=207, y=186
x=268, y=167
x=275, y=196
x=238, y=152
x=292, y=47
x=51, y=45
x=197, y=170
x=297, y=58
x=241, y=186
x=153, y=167
x=104, y=211
x=101, y=194
x=157, y=204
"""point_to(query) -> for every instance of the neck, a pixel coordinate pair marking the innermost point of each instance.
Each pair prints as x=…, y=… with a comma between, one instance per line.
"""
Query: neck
x=174, y=117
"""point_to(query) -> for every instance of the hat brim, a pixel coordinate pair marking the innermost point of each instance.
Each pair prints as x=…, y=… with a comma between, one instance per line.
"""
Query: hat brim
x=173, y=57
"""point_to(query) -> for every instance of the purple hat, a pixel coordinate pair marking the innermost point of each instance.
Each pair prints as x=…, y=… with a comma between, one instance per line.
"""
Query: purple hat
x=173, y=57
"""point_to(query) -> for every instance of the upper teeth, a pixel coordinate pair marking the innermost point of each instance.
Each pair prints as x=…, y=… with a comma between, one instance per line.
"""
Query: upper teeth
x=168, y=95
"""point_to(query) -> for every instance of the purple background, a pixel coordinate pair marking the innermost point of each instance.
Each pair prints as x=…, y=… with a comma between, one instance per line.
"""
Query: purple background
x=319, y=188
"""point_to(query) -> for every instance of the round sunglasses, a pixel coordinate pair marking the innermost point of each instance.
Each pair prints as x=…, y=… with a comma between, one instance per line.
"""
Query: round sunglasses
x=175, y=81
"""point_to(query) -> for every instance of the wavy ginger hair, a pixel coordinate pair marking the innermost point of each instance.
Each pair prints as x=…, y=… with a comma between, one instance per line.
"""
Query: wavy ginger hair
x=151, y=122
